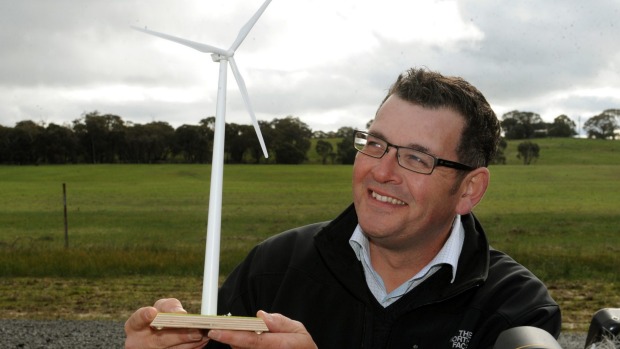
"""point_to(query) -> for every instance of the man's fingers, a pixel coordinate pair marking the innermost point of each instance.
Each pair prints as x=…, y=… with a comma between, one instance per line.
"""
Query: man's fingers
x=169, y=305
x=179, y=338
x=280, y=323
x=140, y=334
x=284, y=333
x=141, y=319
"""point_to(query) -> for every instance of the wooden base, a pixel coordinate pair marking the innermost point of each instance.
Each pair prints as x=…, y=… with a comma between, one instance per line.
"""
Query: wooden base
x=238, y=323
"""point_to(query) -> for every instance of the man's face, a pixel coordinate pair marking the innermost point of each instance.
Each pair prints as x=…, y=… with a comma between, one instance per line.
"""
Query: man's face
x=398, y=208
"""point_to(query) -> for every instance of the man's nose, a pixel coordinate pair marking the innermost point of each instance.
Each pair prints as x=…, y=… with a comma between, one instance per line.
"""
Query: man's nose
x=385, y=170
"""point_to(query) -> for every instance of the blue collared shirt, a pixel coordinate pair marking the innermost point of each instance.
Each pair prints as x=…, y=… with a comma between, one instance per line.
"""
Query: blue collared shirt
x=448, y=255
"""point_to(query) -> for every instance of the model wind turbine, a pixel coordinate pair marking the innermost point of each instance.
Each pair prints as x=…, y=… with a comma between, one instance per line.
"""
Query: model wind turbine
x=212, y=253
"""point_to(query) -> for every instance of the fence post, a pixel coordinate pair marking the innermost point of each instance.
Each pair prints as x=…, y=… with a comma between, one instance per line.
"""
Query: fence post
x=64, y=199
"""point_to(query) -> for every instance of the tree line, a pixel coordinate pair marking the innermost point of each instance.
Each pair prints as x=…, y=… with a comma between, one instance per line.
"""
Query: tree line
x=525, y=125
x=105, y=138
x=528, y=125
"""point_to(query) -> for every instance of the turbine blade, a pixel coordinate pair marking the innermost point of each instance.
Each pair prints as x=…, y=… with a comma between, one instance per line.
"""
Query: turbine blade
x=195, y=45
x=248, y=26
x=248, y=105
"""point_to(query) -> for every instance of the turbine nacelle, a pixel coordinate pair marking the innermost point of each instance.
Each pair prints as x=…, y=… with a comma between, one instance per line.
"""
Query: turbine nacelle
x=216, y=57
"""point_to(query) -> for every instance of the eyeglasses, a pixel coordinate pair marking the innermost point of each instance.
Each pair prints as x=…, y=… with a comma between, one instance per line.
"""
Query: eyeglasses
x=408, y=158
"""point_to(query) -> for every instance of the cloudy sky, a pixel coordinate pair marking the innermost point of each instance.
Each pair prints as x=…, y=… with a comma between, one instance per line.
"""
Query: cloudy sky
x=327, y=62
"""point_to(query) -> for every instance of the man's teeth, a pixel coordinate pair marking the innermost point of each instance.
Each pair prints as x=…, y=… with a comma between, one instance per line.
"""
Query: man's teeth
x=387, y=199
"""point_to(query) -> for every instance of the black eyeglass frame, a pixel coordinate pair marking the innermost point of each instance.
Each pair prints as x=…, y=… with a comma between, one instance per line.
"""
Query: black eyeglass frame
x=437, y=161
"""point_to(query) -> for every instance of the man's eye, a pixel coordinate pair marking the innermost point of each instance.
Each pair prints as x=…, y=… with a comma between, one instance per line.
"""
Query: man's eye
x=416, y=160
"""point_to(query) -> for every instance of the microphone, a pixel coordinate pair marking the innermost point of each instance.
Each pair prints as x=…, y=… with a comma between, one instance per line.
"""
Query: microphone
x=526, y=337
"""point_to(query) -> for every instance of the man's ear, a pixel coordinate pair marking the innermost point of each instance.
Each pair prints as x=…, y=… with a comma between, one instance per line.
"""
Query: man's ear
x=472, y=190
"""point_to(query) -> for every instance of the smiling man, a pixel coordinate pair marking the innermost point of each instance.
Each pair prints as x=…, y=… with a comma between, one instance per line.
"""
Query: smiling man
x=406, y=207
x=407, y=265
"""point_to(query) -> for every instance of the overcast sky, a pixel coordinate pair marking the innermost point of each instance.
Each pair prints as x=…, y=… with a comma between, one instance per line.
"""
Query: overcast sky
x=327, y=62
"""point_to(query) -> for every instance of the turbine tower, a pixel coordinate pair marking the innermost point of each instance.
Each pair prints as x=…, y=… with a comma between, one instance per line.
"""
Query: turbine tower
x=212, y=251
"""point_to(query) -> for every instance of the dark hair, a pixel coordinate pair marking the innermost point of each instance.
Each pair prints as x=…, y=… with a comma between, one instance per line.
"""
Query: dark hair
x=481, y=132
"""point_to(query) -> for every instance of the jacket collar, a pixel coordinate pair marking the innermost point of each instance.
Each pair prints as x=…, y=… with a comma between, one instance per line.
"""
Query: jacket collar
x=333, y=245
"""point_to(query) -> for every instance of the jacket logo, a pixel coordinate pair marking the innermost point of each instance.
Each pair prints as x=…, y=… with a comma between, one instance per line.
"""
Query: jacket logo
x=461, y=341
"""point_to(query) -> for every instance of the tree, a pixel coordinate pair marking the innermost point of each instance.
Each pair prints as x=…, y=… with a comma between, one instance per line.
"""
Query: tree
x=521, y=125
x=238, y=140
x=345, y=132
x=528, y=152
x=604, y=125
x=5, y=150
x=161, y=140
x=25, y=143
x=319, y=134
x=291, y=140
x=60, y=145
x=101, y=136
x=324, y=149
x=562, y=126
x=149, y=143
x=346, y=151
x=192, y=142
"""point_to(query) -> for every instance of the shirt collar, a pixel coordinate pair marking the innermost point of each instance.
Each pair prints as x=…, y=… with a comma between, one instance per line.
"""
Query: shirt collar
x=449, y=253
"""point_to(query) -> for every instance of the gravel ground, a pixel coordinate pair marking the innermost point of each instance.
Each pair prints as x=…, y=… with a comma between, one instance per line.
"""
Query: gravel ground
x=30, y=334
x=56, y=334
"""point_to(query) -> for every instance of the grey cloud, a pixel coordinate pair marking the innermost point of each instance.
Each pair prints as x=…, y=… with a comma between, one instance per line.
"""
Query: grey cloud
x=530, y=49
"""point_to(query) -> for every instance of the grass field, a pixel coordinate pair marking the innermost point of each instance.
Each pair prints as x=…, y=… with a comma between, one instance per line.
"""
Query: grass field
x=131, y=223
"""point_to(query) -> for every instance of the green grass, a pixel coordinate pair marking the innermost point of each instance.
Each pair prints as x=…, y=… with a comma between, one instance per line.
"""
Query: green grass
x=561, y=220
x=151, y=219
x=569, y=151
x=559, y=217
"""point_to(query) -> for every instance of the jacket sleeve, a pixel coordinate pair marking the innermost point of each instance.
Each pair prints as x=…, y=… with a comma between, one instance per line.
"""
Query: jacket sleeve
x=512, y=296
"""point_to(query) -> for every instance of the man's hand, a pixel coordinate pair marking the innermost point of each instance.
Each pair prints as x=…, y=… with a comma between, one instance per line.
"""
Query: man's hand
x=141, y=335
x=284, y=333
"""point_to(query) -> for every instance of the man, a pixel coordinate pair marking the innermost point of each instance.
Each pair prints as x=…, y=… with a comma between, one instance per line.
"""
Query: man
x=407, y=265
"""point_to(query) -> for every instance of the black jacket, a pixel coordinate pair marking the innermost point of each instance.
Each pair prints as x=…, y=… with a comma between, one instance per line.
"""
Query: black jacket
x=312, y=275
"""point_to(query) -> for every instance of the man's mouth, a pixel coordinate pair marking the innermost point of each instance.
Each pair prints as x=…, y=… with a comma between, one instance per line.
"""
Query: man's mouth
x=387, y=199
